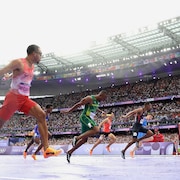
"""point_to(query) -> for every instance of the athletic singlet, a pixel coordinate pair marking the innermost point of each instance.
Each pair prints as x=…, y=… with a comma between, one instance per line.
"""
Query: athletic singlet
x=36, y=131
x=139, y=118
x=144, y=123
x=107, y=126
x=47, y=116
x=22, y=82
x=90, y=109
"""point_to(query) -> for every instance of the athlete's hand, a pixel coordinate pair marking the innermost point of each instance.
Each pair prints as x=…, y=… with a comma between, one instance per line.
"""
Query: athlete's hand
x=7, y=76
x=103, y=114
x=123, y=116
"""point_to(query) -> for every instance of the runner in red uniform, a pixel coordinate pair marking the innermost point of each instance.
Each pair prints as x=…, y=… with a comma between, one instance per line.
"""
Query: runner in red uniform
x=106, y=123
x=17, y=99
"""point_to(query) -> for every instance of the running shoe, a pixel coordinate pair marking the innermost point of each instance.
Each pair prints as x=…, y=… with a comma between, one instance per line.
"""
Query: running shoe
x=68, y=156
x=108, y=148
x=132, y=154
x=51, y=152
x=74, y=141
x=34, y=156
x=123, y=154
x=90, y=152
x=24, y=154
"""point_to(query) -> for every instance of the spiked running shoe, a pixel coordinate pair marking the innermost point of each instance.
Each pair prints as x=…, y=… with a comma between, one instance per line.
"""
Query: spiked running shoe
x=123, y=154
x=108, y=148
x=24, y=154
x=68, y=156
x=90, y=152
x=51, y=152
x=132, y=154
x=34, y=156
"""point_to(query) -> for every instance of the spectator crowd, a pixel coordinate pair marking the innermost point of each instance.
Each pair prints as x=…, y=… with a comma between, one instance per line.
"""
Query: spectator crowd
x=164, y=95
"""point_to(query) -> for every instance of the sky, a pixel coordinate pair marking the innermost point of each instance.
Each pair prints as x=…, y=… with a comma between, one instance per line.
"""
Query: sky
x=68, y=26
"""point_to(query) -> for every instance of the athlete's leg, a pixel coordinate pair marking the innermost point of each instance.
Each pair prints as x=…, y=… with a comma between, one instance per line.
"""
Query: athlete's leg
x=29, y=144
x=112, y=139
x=37, y=141
x=135, y=148
x=140, y=144
x=81, y=140
x=89, y=128
x=10, y=105
x=39, y=114
x=88, y=133
x=147, y=135
x=97, y=143
x=151, y=138
x=78, y=144
x=49, y=135
x=38, y=149
x=134, y=139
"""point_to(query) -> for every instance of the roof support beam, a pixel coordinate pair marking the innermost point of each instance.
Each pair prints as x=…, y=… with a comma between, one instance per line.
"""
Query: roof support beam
x=62, y=60
x=169, y=33
x=132, y=49
x=95, y=56
x=42, y=67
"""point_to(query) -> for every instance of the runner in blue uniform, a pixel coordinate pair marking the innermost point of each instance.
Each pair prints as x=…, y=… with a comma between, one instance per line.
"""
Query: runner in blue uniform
x=141, y=134
x=36, y=137
x=137, y=127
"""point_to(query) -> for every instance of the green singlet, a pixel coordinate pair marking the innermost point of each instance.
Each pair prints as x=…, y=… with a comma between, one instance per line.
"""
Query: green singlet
x=87, y=116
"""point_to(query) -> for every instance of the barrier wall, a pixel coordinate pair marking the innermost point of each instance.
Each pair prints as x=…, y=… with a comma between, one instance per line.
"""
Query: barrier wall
x=152, y=148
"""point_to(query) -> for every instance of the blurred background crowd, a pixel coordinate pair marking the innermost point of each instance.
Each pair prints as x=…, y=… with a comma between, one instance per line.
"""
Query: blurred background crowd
x=164, y=95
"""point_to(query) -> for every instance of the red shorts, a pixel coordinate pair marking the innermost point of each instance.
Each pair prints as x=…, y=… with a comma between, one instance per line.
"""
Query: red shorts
x=15, y=102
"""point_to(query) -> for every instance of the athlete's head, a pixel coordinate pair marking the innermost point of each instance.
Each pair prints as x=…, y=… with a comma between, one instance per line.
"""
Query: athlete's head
x=35, y=52
x=110, y=114
x=49, y=108
x=102, y=95
x=147, y=106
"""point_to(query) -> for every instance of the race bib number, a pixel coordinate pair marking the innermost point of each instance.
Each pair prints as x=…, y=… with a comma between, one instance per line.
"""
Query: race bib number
x=23, y=88
x=89, y=125
x=134, y=133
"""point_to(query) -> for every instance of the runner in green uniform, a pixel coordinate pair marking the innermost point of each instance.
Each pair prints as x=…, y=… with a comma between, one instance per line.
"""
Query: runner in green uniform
x=88, y=125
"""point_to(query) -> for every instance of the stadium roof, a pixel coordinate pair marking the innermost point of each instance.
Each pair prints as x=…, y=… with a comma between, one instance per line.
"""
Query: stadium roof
x=149, y=40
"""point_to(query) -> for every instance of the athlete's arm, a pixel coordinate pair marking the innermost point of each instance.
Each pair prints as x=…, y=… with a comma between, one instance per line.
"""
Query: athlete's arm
x=131, y=113
x=12, y=66
x=102, y=122
x=103, y=113
x=84, y=101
